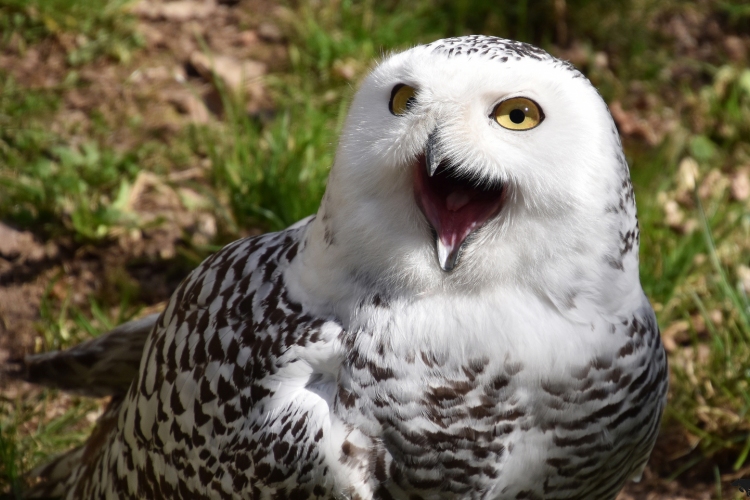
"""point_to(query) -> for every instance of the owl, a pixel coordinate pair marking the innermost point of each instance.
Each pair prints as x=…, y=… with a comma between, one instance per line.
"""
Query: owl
x=462, y=318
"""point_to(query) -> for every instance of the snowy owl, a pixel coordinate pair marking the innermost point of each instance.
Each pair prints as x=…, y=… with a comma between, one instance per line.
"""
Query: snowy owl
x=463, y=318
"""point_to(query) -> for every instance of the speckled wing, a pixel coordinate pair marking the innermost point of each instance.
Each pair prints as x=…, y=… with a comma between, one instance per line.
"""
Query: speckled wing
x=222, y=407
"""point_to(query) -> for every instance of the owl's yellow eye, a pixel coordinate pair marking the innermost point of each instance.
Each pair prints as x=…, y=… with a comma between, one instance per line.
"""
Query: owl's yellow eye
x=518, y=113
x=402, y=99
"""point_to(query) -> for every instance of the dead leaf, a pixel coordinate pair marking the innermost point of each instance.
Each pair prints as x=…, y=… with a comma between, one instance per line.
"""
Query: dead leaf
x=713, y=185
x=735, y=47
x=631, y=124
x=270, y=32
x=673, y=215
x=234, y=75
x=739, y=185
x=189, y=104
x=675, y=334
x=180, y=11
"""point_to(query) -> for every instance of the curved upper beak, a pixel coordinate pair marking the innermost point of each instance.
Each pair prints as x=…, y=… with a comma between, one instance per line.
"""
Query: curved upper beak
x=433, y=153
x=454, y=206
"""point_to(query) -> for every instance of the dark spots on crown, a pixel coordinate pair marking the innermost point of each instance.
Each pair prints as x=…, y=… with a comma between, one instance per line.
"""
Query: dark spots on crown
x=568, y=66
x=493, y=48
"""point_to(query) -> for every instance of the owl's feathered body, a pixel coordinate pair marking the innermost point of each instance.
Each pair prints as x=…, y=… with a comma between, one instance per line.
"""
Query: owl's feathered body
x=337, y=359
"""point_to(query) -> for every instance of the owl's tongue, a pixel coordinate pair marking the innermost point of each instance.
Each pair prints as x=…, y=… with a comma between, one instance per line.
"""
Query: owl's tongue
x=455, y=207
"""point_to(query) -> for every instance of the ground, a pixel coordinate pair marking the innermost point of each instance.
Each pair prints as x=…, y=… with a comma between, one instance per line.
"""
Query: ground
x=139, y=137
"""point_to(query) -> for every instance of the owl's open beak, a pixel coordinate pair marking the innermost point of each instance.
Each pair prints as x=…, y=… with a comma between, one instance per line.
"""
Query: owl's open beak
x=454, y=206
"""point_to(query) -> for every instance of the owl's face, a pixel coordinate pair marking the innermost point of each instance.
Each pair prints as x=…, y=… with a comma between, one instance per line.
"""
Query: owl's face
x=492, y=161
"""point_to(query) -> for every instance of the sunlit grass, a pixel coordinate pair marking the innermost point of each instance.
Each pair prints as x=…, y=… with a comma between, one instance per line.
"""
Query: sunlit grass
x=711, y=398
x=100, y=28
x=39, y=425
x=36, y=425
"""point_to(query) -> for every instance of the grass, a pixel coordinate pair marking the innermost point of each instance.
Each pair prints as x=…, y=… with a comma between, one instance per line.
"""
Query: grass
x=291, y=159
x=269, y=173
x=96, y=28
x=59, y=183
x=38, y=425
x=83, y=187
x=56, y=427
x=715, y=389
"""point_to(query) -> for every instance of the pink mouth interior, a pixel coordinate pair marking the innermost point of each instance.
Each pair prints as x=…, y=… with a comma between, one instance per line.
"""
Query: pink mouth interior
x=455, y=207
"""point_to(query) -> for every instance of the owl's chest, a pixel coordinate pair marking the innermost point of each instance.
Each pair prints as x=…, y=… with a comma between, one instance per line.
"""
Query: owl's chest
x=442, y=430
x=480, y=431
x=491, y=419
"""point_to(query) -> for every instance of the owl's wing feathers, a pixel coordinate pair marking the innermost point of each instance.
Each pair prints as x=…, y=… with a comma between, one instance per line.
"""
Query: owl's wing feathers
x=229, y=384
x=103, y=366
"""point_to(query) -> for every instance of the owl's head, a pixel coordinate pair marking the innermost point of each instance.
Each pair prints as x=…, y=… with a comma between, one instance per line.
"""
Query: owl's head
x=479, y=161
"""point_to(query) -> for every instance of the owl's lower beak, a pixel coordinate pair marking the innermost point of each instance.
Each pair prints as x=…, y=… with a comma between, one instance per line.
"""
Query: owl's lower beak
x=454, y=206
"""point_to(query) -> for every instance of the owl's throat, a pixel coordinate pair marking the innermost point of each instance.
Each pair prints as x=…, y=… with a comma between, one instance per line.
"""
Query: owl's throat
x=455, y=206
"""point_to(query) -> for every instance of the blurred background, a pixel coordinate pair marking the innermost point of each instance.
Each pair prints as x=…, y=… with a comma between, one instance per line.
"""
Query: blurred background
x=138, y=137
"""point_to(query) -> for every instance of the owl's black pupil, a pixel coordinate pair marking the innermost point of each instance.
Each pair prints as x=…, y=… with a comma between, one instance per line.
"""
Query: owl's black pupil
x=410, y=102
x=517, y=116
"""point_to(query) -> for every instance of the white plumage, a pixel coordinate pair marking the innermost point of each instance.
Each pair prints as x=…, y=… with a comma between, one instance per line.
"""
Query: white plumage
x=462, y=319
